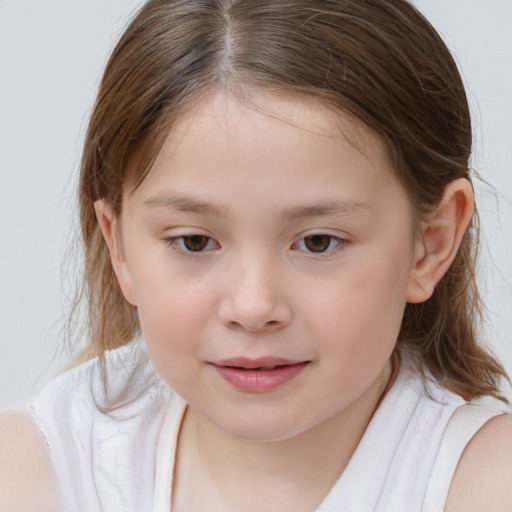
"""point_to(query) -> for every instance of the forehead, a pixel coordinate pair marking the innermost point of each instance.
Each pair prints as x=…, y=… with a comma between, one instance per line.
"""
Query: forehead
x=285, y=108
x=272, y=137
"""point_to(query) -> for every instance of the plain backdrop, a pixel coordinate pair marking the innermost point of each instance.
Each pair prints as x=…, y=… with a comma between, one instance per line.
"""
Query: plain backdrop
x=51, y=57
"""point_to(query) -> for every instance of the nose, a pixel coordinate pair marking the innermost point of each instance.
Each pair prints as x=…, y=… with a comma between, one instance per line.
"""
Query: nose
x=254, y=298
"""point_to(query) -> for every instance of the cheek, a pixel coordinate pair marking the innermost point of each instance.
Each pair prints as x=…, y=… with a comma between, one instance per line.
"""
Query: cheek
x=164, y=291
x=359, y=335
x=171, y=341
x=170, y=313
x=361, y=310
x=173, y=310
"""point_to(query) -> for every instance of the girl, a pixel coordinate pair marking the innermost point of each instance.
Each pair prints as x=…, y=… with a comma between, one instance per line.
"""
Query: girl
x=279, y=234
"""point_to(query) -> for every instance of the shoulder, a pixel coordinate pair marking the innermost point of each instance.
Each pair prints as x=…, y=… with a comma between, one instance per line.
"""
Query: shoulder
x=89, y=401
x=483, y=478
x=100, y=421
x=121, y=376
x=27, y=480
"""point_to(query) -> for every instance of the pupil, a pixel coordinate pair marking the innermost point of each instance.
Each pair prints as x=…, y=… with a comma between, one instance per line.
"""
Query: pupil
x=195, y=242
x=318, y=243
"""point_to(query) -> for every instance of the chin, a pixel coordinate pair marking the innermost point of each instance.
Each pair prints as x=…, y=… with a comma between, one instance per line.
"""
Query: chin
x=261, y=429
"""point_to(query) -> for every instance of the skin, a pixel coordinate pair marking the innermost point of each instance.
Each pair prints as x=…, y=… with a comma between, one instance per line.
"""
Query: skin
x=27, y=479
x=268, y=180
x=251, y=185
x=256, y=290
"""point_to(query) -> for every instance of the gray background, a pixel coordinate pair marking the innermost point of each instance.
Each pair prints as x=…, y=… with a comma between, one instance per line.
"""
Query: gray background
x=51, y=57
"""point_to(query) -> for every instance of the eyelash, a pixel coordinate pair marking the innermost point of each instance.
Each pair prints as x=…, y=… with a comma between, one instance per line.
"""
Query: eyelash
x=340, y=242
x=177, y=243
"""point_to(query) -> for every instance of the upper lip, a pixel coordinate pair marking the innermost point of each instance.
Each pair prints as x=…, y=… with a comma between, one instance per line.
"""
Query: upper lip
x=260, y=362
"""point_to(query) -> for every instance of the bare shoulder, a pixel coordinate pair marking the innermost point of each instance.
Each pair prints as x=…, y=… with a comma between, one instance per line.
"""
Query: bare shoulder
x=27, y=481
x=483, y=479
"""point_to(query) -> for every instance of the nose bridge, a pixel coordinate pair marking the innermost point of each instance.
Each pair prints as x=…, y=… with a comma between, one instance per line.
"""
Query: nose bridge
x=256, y=298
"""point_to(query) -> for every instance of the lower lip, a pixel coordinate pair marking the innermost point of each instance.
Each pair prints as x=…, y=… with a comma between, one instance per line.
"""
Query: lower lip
x=260, y=381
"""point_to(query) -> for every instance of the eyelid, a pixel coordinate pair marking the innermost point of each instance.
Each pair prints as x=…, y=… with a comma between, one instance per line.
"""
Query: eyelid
x=173, y=242
x=341, y=240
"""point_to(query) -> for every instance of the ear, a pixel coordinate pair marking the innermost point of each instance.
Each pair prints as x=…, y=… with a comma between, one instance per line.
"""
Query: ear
x=441, y=238
x=109, y=225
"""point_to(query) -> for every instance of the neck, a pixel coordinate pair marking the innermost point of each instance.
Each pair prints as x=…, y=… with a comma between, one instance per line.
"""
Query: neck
x=296, y=472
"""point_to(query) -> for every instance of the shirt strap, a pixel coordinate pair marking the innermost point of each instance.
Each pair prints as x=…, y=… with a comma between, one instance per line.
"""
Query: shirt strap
x=465, y=422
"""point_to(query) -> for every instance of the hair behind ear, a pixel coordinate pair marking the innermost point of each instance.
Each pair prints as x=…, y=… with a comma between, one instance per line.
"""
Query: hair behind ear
x=111, y=321
x=441, y=331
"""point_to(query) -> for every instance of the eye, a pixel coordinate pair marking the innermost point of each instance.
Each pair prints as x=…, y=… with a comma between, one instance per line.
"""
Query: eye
x=195, y=243
x=192, y=243
x=320, y=243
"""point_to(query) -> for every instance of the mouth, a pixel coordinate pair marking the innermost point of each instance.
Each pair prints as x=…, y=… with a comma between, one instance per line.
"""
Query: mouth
x=259, y=375
x=260, y=364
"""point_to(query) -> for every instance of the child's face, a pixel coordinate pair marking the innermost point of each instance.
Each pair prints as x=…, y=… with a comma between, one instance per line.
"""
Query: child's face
x=260, y=240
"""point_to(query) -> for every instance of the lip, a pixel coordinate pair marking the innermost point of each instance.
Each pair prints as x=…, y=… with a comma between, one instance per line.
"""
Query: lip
x=260, y=375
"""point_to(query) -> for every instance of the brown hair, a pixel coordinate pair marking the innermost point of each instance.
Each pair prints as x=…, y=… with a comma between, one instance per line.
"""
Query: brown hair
x=378, y=60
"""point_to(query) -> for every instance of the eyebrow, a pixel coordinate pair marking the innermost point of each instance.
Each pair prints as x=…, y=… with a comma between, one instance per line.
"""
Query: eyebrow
x=337, y=208
x=185, y=203
x=189, y=204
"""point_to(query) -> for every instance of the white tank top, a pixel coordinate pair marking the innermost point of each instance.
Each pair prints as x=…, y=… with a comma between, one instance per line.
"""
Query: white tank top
x=124, y=460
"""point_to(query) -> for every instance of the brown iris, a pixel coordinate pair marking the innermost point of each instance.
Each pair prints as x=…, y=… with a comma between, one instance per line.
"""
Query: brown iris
x=318, y=243
x=195, y=243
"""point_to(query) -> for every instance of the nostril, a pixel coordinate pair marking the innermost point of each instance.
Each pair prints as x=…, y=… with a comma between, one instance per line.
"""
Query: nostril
x=270, y=326
x=253, y=315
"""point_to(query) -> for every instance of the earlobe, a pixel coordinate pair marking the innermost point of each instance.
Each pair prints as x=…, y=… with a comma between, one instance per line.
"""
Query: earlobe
x=109, y=225
x=441, y=238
